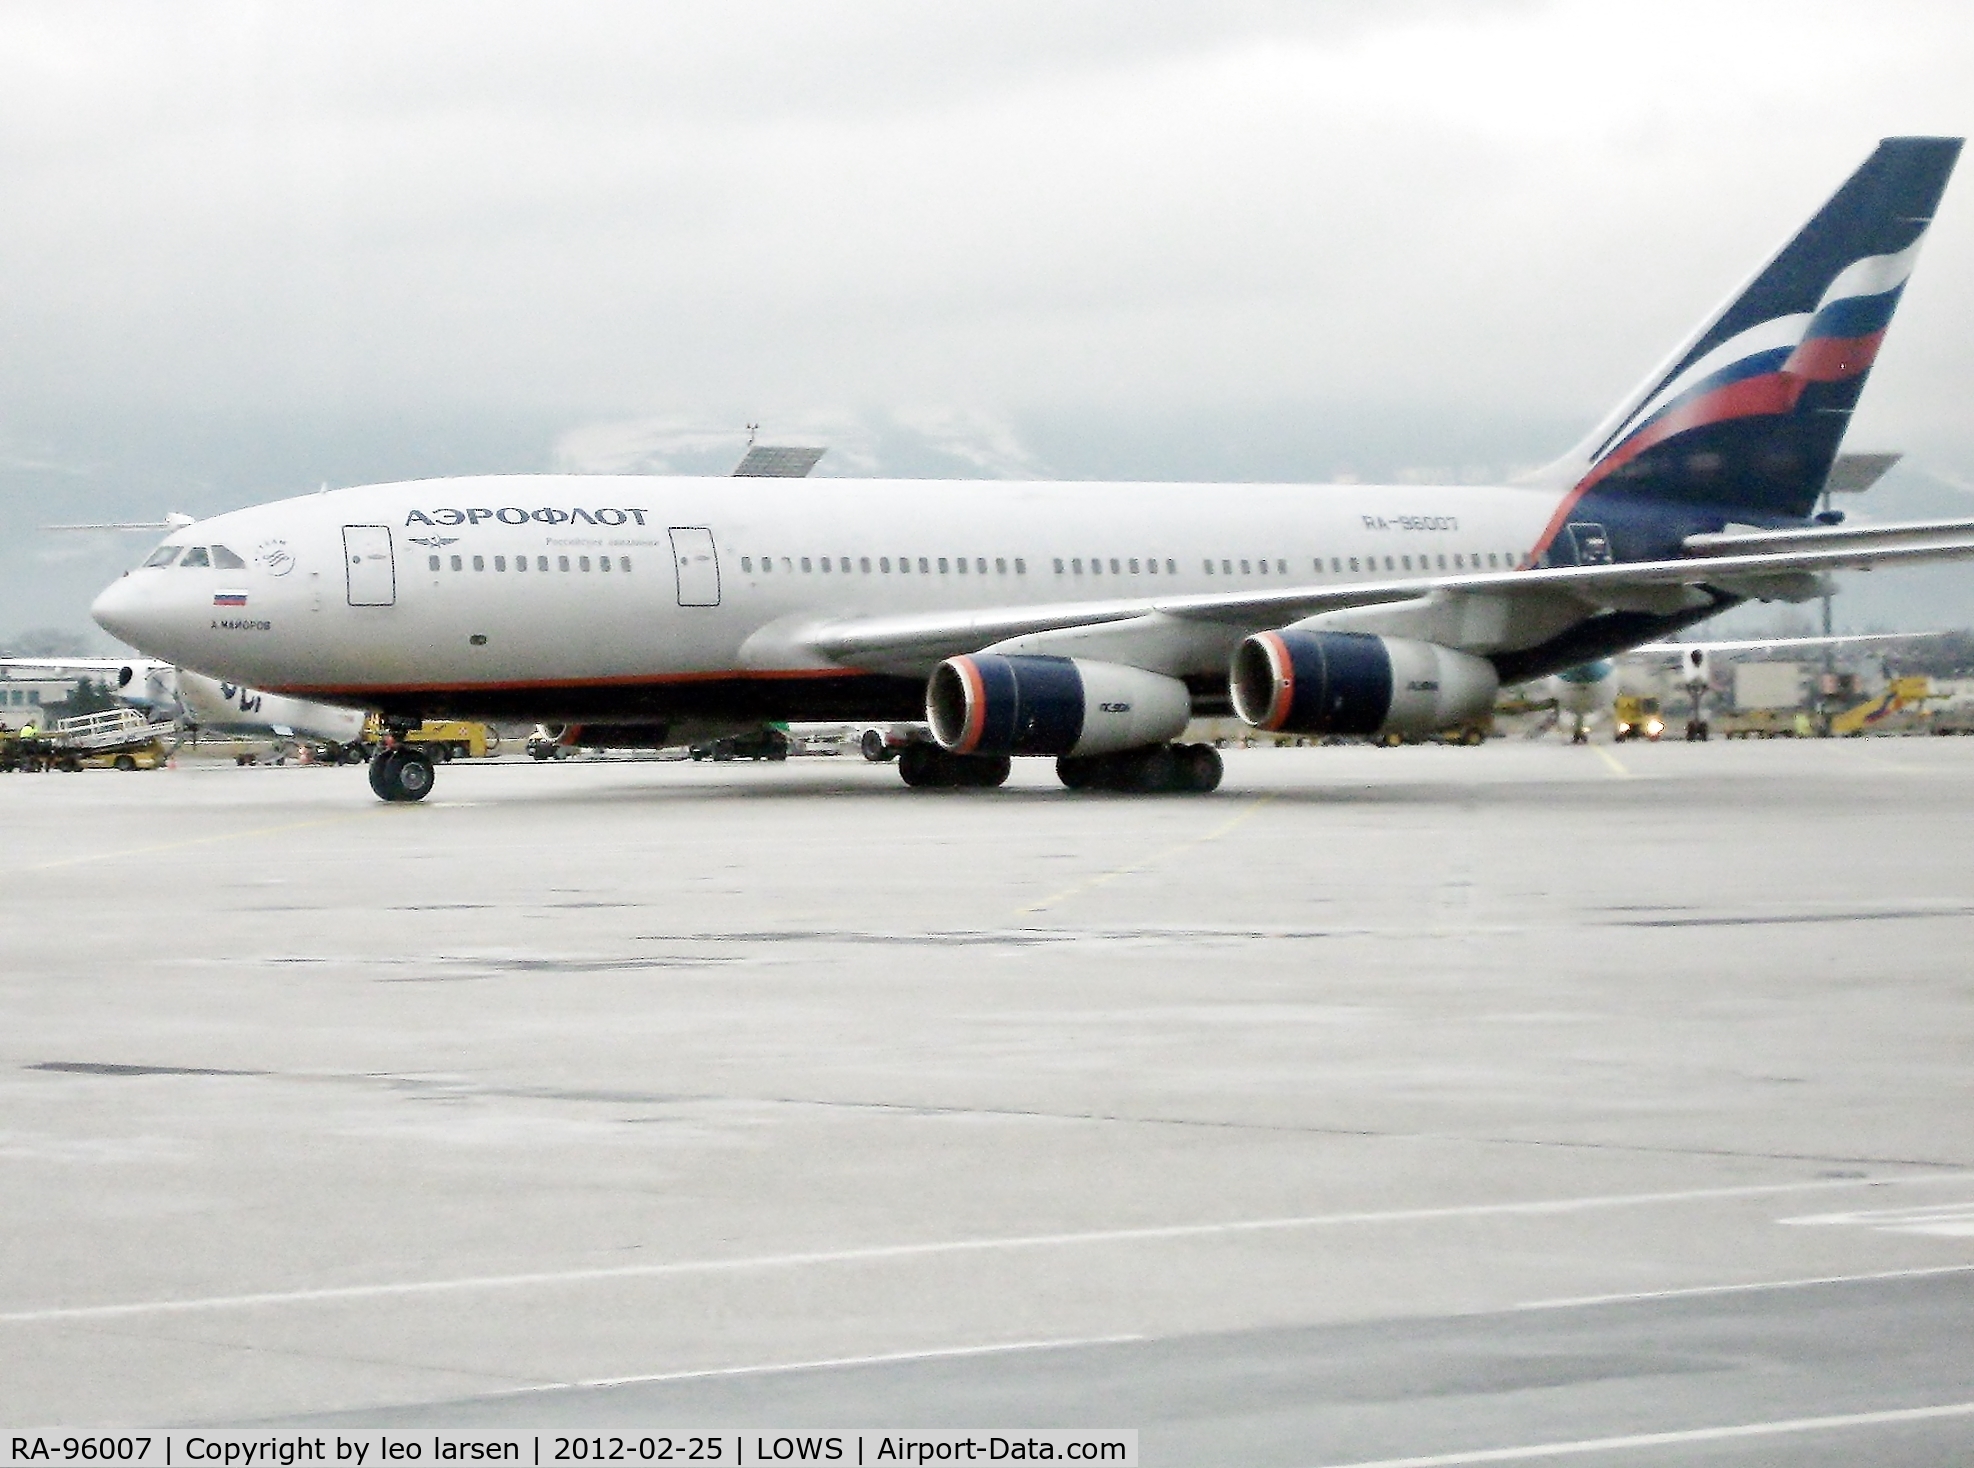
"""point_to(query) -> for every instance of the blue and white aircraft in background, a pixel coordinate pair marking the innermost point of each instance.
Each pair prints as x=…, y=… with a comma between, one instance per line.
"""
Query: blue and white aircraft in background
x=1083, y=622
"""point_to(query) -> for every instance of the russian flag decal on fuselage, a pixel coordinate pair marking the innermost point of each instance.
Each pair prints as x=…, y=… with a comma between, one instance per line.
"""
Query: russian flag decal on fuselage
x=229, y=598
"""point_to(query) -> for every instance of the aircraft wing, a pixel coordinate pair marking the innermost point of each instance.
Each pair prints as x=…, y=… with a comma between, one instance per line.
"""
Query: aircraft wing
x=1765, y=644
x=1776, y=562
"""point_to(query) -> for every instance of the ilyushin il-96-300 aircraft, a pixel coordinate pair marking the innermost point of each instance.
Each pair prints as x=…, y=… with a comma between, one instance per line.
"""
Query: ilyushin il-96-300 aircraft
x=1086, y=622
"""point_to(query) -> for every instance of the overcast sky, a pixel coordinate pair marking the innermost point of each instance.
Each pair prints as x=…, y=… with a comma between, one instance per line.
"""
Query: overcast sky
x=248, y=249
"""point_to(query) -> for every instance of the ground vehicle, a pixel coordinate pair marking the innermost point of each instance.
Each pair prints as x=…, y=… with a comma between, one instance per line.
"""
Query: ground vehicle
x=1636, y=716
x=769, y=742
x=442, y=739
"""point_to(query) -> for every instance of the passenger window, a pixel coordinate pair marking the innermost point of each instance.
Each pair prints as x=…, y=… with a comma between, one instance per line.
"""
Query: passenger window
x=1209, y=567
x=942, y=565
x=1458, y=561
x=1171, y=568
x=1096, y=565
x=1226, y=567
x=582, y=561
x=962, y=565
x=500, y=563
x=1388, y=565
x=433, y=562
x=1244, y=570
x=479, y=563
x=1408, y=563
x=1281, y=568
x=561, y=563
x=196, y=557
x=1076, y=565
x=1134, y=565
x=1021, y=566
x=1442, y=563
x=924, y=566
x=1151, y=567
x=624, y=565
x=225, y=560
x=1490, y=560
x=1058, y=565
x=884, y=564
x=805, y=563
x=864, y=563
x=458, y=564
x=825, y=565
x=164, y=555
x=746, y=563
x=1113, y=565
x=541, y=563
x=520, y=563
x=1000, y=566
x=1353, y=563
x=603, y=563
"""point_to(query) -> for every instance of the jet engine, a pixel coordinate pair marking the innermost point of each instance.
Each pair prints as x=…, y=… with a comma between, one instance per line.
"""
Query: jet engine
x=989, y=704
x=1355, y=683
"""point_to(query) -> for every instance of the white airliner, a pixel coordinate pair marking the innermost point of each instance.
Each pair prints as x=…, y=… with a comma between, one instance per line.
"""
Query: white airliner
x=210, y=705
x=1590, y=691
x=1083, y=621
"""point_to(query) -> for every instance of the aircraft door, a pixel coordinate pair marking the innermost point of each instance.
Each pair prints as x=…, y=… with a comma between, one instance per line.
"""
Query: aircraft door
x=373, y=577
x=698, y=566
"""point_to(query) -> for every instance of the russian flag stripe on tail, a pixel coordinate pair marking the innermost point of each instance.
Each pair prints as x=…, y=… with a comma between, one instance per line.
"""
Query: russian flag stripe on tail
x=1743, y=421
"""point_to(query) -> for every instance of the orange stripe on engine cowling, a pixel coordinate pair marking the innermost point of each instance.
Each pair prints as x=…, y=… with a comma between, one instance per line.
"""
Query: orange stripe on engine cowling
x=976, y=706
x=1282, y=695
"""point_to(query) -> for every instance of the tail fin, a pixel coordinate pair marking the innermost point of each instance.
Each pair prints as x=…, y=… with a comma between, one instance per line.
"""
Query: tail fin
x=1748, y=413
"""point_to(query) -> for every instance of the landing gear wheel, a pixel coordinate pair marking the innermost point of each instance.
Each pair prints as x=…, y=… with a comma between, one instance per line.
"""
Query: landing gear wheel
x=1201, y=767
x=928, y=767
x=923, y=767
x=1079, y=772
x=983, y=771
x=401, y=775
x=874, y=748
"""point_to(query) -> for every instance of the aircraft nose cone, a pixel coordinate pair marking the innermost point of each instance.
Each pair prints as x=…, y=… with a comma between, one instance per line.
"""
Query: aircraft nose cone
x=122, y=612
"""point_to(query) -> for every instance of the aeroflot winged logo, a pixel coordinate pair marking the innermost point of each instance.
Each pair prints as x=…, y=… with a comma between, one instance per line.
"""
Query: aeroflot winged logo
x=515, y=515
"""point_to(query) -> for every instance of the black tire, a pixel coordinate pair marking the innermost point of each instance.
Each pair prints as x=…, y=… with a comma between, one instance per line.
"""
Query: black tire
x=984, y=771
x=438, y=753
x=384, y=773
x=1151, y=771
x=1202, y=768
x=125, y=762
x=924, y=767
x=1079, y=772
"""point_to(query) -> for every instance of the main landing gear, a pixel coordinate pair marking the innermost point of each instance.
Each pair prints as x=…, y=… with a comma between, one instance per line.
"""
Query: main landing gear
x=928, y=767
x=1157, y=769
x=401, y=772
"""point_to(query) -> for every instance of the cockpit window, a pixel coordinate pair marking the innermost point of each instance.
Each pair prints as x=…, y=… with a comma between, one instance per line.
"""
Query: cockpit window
x=164, y=555
x=226, y=560
x=196, y=557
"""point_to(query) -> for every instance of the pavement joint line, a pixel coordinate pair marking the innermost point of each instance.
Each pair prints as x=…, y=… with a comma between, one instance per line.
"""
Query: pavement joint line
x=1076, y=888
x=942, y=1353
x=879, y=1252
x=1640, y=1296
x=1617, y=765
x=1669, y=1439
x=71, y=861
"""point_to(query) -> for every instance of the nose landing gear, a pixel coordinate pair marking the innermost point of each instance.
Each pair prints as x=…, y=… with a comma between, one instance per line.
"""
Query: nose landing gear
x=401, y=772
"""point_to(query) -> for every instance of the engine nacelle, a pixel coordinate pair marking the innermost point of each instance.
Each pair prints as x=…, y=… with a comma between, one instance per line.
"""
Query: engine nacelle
x=989, y=704
x=1355, y=683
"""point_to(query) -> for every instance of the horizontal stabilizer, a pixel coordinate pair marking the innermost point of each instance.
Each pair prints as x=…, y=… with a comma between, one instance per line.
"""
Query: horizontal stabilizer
x=777, y=461
x=1855, y=473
